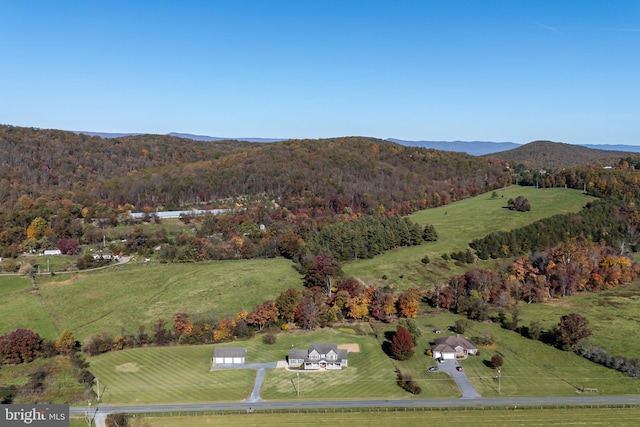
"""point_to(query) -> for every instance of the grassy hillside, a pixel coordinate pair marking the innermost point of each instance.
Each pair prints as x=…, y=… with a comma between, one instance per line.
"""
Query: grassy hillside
x=613, y=317
x=457, y=225
x=115, y=299
x=22, y=307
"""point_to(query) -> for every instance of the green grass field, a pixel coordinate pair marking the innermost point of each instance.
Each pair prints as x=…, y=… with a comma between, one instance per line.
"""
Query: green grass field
x=134, y=294
x=615, y=417
x=167, y=375
x=458, y=224
x=22, y=307
x=613, y=317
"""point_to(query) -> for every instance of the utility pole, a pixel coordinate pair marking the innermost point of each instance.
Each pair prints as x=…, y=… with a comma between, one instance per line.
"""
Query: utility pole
x=98, y=381
x=88, y=416
x=499, y=378
x=298, y=388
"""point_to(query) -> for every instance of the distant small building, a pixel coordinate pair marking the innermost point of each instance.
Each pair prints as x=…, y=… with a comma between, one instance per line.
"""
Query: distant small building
x=318, y=356
x=105, y=257
x=229, y=355
x=52, y=252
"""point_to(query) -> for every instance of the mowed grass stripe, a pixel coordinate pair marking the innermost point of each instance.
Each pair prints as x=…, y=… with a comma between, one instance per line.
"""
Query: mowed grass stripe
x=168, y=374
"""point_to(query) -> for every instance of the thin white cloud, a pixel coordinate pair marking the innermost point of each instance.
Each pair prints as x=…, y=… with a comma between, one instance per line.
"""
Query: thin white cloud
x=546, y=27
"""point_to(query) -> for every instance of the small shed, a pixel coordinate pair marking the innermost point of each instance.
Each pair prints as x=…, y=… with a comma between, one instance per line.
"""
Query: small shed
x=229, y=355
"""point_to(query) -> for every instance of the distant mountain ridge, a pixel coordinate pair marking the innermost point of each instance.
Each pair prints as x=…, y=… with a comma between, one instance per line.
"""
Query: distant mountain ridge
x=108, y=135
x=549, y=154
x=474, y=148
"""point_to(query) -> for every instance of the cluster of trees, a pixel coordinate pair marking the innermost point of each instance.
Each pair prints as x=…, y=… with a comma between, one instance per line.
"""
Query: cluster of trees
x=611, y=221
x=367, y=237
x=25, y=345
x=630, y=367
x=565, y=269
x=520, y=204
x=619, y=179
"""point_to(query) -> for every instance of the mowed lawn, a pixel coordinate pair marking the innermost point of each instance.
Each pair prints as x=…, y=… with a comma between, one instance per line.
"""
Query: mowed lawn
x=23, y=308
x=370, y=374
x=182, y=373
x=120, y=299
x=457, y=225
x=531, y=368
x=167, y=375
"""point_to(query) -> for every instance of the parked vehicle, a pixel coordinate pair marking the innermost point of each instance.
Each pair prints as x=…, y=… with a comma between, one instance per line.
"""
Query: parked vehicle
x=433, y=368
x=459, y=368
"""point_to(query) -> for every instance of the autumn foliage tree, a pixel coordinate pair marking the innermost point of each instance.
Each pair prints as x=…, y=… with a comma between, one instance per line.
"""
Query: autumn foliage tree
x=324, y=272
x=402, y=344
x=66, y=342
x=408, y=302
x=287, y=302
x=20, y=346
x=263, y=314
x=496, y=361
x=571, y=330
x=182, y=324
x=307, y=314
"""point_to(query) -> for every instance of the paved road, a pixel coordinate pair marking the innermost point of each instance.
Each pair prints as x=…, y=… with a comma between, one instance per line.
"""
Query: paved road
x=370, y=403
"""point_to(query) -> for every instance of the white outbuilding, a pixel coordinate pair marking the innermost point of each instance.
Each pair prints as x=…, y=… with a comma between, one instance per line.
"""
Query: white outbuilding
x=229, y=355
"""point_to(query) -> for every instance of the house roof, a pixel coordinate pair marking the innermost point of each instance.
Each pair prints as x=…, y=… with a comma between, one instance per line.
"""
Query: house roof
x=298, y=354
x=443, y=348
x=229, y=352
x=454, y=341
x=323, y=347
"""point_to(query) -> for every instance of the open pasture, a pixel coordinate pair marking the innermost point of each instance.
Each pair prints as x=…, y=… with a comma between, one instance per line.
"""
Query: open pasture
x=458, y=224
x=22, y=307
x=614, y=316
x=125, y=297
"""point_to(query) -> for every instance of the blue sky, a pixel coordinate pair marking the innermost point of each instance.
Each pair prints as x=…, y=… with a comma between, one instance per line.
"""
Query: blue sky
x=510, y=70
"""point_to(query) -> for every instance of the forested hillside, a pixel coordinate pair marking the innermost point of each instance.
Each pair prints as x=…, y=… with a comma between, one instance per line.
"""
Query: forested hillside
x=555, y=155
x=60, y=185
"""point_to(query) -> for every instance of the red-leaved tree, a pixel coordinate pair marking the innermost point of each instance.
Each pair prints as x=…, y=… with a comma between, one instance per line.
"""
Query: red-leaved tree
x=402, y=344
x=21, y=345
x=263, y=314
